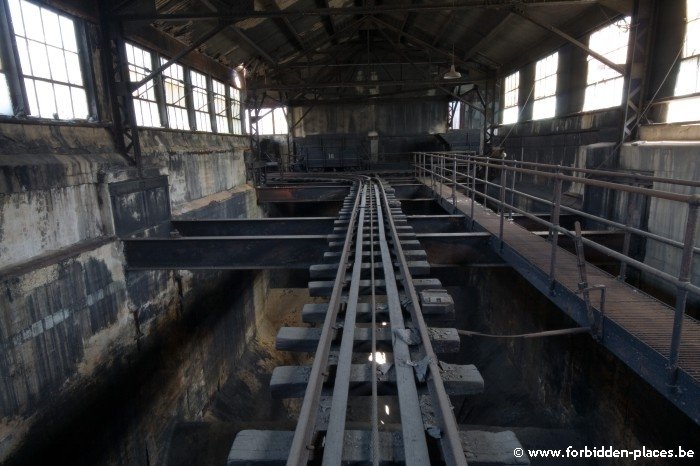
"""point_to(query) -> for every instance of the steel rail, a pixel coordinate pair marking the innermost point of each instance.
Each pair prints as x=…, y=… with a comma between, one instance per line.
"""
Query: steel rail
x=412, y=428
x=375, y=398
x=452, y=450
x=301, y=442
x=335, y=433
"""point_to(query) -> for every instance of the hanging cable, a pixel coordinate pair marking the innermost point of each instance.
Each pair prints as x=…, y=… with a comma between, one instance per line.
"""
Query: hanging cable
x=547, y=333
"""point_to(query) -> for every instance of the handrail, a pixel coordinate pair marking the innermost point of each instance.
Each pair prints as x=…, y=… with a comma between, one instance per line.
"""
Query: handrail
x=591, y=171
x=433, y=164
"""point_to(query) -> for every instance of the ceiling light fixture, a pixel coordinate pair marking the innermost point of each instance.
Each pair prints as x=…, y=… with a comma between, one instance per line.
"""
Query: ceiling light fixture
x=453, y=73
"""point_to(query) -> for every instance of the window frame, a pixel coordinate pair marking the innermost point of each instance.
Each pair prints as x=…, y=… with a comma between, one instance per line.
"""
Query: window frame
x=682, y=101
x=237, y=120
x=16, y=76
x=157, y=89
x=207, y=96
x=616, y=79
x=215, y=114
x=265, y=112
x=20, y=102
x=542, y=76
x=515, y=91
x=455, y=112
x=186, y=105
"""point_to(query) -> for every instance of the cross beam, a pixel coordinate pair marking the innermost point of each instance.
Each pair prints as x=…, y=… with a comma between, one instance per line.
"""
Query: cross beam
x=357, y=10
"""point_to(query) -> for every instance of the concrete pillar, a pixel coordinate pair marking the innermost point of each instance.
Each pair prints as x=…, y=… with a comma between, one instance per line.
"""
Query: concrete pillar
x=527, y=81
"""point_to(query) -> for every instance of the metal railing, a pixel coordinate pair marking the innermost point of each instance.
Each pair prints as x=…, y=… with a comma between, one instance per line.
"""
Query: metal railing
x=463, y=171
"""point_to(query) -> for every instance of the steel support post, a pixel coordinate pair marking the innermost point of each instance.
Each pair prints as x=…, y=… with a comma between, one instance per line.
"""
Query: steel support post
x=123, y=114
x=454, y=186
x=503, y=200
x=554, y=230
x=473, y=192
x=682, y=293
x=512, y=192
x=626, y=245
x=637, y=68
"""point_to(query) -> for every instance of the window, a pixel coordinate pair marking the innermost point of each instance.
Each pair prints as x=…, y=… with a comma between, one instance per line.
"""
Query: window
x=145, y=105
x=200, y=98
x=175, y=101
x=605, y=85
x=49, y=62
x=218, y=90
x=280, y=117
x=455, y=115
x=270, y=121
x=688, y=80
x=545, y=105
x=236, y=106
x=5, y=100
x=510, y=98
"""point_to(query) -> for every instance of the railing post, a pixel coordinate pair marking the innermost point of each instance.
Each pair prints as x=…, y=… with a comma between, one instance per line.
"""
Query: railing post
x=554, y=229
x=442, y=173
x=415, y=165
x=486, y=179
x=626, y=244
x=512, y=190
x=474, y=164
x=503, y=199
x=432, y=173
x=682, y=293
x=454, y=185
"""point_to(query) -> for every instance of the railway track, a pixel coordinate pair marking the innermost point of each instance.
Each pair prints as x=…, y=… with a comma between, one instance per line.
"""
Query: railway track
x=374, y=354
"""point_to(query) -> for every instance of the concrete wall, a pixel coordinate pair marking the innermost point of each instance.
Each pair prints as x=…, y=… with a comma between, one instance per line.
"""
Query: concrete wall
x=98, y=360
x=677, y=160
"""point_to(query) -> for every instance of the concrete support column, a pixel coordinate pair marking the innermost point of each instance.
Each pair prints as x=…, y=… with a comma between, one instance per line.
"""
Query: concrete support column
x=527, y=81
x=573, y=71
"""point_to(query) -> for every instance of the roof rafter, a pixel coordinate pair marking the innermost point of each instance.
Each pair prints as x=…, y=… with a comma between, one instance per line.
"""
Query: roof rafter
x=356, y=10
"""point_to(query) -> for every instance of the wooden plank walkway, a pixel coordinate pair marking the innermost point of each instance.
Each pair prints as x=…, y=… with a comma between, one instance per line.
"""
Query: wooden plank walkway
x=644, y=317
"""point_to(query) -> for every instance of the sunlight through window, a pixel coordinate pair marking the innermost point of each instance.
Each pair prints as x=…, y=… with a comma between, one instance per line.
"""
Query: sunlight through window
x=5, y=101
x=200, y=100
x=49, y=62
x=545, y=105
x=175, y=102
x=688, y=80
x=605, y=85
x=140, y=64
x=510, y=98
